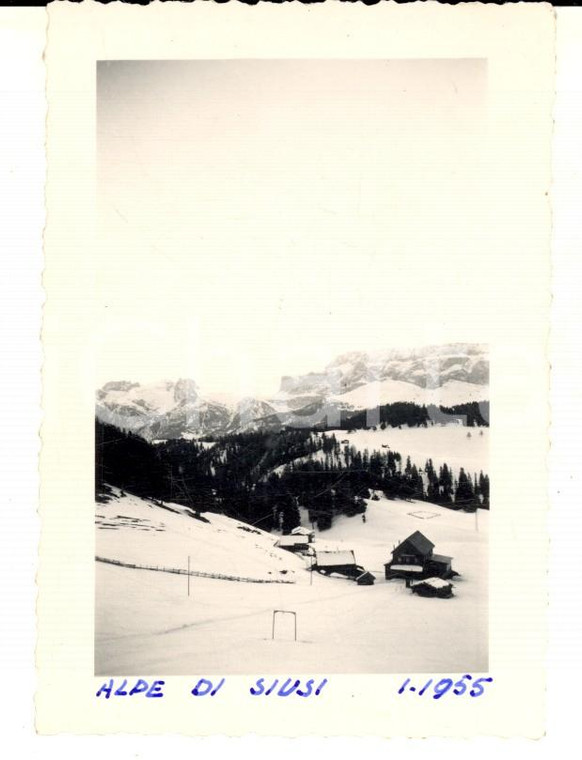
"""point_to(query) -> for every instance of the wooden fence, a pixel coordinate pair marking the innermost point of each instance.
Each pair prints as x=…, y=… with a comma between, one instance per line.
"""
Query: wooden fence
x=181, y=571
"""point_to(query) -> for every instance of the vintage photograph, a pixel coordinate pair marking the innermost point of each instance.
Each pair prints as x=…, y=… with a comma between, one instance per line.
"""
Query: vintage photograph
x=292, y=426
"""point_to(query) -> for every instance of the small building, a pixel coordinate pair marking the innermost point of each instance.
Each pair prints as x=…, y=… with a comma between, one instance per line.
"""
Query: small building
x=301, y=531
x=365, y=579
x=433, y=587
x=295, y=544
x=440, y=566
x=342, y=561
x=414, y=558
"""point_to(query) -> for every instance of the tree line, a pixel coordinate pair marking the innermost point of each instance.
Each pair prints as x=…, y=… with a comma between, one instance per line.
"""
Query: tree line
x=409, y=414
x=262, y=478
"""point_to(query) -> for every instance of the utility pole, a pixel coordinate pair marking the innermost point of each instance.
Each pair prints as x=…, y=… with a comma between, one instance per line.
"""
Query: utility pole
x=188, y=575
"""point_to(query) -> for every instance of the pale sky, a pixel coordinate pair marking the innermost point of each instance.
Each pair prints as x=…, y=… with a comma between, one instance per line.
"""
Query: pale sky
x=259, y=217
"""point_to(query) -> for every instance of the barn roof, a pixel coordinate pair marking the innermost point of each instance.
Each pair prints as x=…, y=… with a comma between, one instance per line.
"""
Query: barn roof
x=365, y=576
x=292, y=540
x=341, y=557
x=441, y=558
x=419, y=541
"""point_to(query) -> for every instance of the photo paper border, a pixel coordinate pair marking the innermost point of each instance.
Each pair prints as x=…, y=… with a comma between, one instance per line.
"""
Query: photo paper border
x=518, y=42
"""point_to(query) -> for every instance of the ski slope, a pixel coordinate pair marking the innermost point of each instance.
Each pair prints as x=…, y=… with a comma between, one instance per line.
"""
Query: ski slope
x=146, y=623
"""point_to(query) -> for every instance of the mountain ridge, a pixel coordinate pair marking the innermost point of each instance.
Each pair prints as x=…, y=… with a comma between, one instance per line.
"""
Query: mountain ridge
x=440, y=375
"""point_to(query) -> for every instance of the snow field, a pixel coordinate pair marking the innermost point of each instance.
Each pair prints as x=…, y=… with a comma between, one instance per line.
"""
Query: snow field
x=146, y=623
x=137, y=531
x=390, y=391
x=441, y=443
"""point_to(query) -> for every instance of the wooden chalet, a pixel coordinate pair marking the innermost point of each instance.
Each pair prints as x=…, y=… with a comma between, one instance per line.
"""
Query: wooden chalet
x=295, y=544
x=414, y=558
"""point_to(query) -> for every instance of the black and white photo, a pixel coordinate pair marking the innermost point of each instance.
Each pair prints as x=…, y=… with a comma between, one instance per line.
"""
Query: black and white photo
x=271, y=434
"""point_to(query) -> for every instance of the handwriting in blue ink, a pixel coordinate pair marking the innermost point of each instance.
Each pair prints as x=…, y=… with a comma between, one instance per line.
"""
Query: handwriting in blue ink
x=108, y=690
x=446, y=684
x=288, y=687
x=204, y=687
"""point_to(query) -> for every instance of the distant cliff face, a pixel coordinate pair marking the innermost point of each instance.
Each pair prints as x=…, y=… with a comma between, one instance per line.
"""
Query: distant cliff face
x=429, y=367
x=454, y=374
x=185, y=392
x=160, y=410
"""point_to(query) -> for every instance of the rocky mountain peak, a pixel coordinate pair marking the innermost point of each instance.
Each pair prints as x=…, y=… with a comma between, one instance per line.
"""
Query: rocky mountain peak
x=186, y=391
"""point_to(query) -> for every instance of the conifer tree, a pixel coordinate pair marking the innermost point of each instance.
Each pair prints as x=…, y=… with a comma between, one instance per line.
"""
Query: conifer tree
x=464, y=493
x=445, y=485
x=484, y=488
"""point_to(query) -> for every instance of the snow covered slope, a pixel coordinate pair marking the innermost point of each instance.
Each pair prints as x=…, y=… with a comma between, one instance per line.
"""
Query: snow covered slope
x=133, y=530
x=446, y=443
x=389, y=391
x=146, y=623
x=454, y=445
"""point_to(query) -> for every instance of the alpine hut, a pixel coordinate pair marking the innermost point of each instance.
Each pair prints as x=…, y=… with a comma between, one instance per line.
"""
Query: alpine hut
x=414, y=558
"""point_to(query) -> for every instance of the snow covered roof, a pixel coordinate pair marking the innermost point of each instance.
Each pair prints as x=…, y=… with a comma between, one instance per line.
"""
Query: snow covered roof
x=408, y=568
x=441, y=558
x=301, y=531
x=434, y=582
x=345, y=557
x=292, y=540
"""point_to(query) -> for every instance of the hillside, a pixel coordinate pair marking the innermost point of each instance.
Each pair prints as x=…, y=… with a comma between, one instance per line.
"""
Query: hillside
x=134, y=530
x=146, y=623
x=448, y=443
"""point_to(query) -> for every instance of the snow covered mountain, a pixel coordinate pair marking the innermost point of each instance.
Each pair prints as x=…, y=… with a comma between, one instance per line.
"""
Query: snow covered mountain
x=430, y=367
x=441, y=375
x=161, y=410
